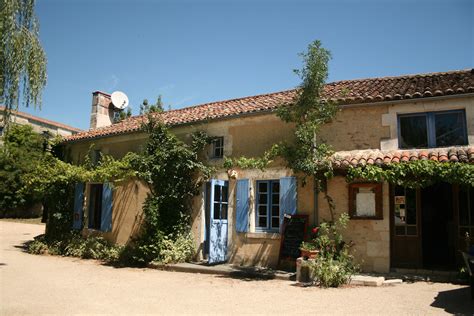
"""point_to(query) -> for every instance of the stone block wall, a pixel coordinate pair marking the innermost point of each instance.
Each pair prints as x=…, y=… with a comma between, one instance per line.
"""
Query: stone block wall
x=371, y=237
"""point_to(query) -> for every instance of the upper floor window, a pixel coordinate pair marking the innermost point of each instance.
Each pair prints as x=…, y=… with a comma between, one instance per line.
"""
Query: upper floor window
x=95, y=156
x=217, y=147
x=432, y=129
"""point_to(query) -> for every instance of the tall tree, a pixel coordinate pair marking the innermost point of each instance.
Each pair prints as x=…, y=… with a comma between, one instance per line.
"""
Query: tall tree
x=22, y=58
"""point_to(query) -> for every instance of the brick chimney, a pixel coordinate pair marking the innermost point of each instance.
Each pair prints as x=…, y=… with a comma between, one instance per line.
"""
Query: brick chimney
x=102, y=113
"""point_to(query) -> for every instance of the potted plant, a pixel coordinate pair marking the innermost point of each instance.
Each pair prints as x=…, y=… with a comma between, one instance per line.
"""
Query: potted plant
x=310, y=249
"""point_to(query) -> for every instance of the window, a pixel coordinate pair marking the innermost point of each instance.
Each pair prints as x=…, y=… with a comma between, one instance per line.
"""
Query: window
x=95, y=156
x=466, y=211
x=95, y=206
x=432, y=129
x=217, y=146
x=405, y=212
x=268, y=205
x=221, y=201
x=365, y=201
x=100, y=207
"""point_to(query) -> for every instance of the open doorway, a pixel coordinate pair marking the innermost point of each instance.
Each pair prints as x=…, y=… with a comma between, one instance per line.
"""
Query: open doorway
x=438, y=227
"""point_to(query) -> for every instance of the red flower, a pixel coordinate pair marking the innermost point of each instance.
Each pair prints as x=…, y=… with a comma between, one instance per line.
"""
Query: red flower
x=315, y=230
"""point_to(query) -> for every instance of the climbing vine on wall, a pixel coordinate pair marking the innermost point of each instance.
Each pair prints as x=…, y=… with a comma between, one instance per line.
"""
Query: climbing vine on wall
x=415, y=174
x=174, y=173
x=52, y=182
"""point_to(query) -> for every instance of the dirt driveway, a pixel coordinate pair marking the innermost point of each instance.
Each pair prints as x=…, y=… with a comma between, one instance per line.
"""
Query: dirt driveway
x=32, y=284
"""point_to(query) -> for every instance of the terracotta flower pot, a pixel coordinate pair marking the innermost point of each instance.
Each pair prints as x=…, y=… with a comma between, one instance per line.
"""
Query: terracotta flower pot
x=309, y=254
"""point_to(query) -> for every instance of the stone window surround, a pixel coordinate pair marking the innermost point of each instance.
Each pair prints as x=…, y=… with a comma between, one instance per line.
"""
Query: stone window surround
x=217, y=143
x=390, y=119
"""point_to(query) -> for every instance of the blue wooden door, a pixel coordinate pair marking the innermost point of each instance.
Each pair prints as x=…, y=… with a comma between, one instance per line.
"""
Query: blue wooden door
x=78, y=206
x=218, y=222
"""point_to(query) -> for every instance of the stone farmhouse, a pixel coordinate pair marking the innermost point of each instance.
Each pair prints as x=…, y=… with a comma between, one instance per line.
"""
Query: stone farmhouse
x=237, y=219
x=40, y=125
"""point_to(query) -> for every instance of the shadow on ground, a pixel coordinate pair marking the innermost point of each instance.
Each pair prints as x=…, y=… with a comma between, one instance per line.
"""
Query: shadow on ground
x=457, y=301
x=252, y=274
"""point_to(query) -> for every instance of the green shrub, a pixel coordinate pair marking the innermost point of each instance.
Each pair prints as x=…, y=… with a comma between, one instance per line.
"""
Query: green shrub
x=74, y=245
x=38, y=246
x=177, y=248
x=172, y=248
x=331, y=272
x=334, y=265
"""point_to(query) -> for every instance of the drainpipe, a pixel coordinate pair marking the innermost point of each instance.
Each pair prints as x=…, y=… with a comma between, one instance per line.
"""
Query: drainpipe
x=316, y=203
x=315, y=189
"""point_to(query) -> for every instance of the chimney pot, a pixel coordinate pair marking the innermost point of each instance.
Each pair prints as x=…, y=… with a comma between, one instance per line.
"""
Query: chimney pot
x=102, y=113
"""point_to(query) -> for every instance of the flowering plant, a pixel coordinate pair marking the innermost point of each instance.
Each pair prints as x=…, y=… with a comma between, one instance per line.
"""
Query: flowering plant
x=312, y=244
x=334, y=264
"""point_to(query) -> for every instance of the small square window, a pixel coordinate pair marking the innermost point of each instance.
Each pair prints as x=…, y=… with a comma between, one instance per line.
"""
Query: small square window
x=217, y=147
x=365, y=201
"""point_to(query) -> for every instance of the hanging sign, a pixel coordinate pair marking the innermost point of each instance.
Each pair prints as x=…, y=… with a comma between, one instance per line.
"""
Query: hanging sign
x=399, y=199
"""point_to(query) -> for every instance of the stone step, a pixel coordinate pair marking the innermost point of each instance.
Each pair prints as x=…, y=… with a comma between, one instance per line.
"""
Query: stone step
x=392, y=282
x=365, y=280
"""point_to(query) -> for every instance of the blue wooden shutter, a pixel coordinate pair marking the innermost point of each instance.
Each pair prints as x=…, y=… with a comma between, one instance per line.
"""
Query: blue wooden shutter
x=287, y=197
x=78, y=205
x=242, y=206
x=107, y=201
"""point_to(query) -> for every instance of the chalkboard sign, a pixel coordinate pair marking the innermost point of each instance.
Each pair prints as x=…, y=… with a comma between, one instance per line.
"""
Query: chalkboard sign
x=293, y=234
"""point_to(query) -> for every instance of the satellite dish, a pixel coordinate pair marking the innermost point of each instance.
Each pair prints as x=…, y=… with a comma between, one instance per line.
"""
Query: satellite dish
x=119, y=100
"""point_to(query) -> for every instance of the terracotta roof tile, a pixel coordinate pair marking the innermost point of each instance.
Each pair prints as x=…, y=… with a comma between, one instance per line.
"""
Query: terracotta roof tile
x=343, y=159
x=346, y=92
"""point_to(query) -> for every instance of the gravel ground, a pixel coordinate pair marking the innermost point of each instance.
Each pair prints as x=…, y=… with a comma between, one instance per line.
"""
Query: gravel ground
x=54, y=285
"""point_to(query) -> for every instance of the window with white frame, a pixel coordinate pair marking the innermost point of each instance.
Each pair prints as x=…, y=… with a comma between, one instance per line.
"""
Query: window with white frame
x=432, y=129
x=217, y=147
x=268, y=205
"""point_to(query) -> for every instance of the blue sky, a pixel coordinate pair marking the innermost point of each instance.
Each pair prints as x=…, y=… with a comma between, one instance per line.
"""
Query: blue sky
x=194, y=52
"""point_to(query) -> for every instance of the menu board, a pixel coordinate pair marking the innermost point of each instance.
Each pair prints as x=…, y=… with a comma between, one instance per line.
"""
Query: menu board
x=293, y=234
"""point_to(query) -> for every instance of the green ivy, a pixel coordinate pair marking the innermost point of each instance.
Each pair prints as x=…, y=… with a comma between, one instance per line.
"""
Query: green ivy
x=174, y=174
x=254, y=162
x=52, y=182
x=415, y=174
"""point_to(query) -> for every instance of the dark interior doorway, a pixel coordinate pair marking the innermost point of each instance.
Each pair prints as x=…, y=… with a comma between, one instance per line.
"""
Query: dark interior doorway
x=438, y=227
x=95, y=206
